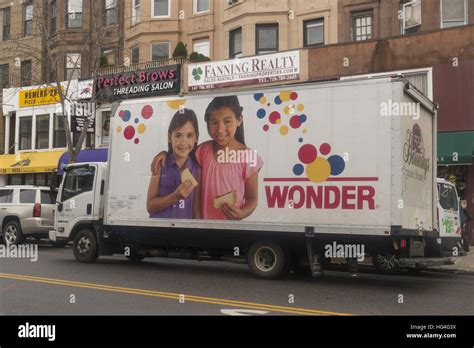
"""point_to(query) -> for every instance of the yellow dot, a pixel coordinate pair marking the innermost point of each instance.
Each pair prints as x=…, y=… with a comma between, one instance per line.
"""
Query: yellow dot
x=175, y=104
x=300, y=107
x=118, y=129
x=285, y=96
x=284, y=130
x=286, y=110
x=305, y=131
x=263, y=100
x=319, y=170
x=141, y=128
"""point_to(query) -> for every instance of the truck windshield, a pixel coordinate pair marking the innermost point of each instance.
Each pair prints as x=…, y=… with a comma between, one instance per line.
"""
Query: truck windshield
x=78, y=180
x=447, y=197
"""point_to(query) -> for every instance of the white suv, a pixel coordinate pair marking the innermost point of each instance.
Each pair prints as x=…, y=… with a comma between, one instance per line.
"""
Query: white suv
x=26, y=211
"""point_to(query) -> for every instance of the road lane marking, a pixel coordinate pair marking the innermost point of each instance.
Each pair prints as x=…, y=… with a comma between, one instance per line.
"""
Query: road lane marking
x=174, y=296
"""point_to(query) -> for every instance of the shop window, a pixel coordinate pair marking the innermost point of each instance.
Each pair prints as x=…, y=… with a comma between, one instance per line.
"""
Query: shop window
x=42, y=131
x=235, y=43
x=160, y=50
x=266, y=38
x=25, y=133
x=362, y=25
x=313, y=32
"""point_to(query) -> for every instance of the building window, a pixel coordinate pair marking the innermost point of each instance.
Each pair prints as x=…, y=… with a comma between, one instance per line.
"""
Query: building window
x=105, y=127
x=27, y=19
x=160, y=8
x=235, y=43
x=362, y=25
x=202, y=47
x=135, y=55
x=25, y=72
x=232, y=2
x=4, y=76
x=160, y=50
x=411, y=21
x=313, y=32
x=53, y=9
x=59, y=134
x=266, y=38
x=42, y=131
x=110, y=6
x=135, y=11
x=25, y=133
x=200, y=6
x=453, y=13
x=6, y=24
x=73, y=66
x=109, y=58
x=74, y=14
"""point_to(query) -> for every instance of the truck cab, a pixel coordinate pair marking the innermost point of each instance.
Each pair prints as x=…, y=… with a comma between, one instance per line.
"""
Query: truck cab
x=80, y=200
x=448, y=213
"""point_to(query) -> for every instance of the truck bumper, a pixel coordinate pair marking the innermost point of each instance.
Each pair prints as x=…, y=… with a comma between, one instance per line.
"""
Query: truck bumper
x=52, y=235
x=426, y=262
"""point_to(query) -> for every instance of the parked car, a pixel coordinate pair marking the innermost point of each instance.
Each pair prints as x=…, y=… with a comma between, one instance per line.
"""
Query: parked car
x=26, y=211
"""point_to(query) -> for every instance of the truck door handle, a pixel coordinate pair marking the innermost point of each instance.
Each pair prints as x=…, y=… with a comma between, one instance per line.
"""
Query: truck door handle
x=89, y=209
x=60, y=207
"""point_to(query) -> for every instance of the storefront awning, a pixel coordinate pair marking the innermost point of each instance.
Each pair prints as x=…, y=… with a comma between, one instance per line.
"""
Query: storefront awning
x=29, y=162
x=455, y=148
x=97, y=155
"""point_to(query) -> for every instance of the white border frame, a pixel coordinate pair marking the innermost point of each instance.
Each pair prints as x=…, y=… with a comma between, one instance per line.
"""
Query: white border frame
x=152, y=14
x=195, y=11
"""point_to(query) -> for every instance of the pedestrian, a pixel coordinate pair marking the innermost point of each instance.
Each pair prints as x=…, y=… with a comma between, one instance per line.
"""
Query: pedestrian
x=465, y=217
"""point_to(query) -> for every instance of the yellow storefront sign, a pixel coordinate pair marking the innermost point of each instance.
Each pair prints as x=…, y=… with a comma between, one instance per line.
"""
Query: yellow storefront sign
x=29, y=162
x=39, y=96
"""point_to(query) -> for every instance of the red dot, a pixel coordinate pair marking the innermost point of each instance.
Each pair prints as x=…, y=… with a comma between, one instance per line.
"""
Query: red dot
x=129, y=132
x=136, y=141
x=266, y=128
x=147, y=111
x=307, y=154
x=294, y=96
x=325, y=149
x=295, y=122
x=121, y=113
x=274, y=116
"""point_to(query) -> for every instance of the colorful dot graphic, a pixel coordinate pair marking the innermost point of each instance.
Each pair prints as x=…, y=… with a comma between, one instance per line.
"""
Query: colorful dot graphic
x=318, y=169
x=129, y=131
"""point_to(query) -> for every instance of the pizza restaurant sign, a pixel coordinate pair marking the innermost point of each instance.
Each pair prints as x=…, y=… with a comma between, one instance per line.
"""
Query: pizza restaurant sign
x=282, y=66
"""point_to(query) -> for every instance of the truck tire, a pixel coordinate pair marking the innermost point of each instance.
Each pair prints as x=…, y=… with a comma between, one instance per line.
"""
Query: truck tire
x=386, y=264
x=268, y=260
x=12, y=233
x=85, y=247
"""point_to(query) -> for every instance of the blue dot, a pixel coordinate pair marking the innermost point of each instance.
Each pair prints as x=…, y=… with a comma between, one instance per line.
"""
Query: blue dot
x=126, y=116
x=137, y=120
x=300, y=140
x=298, y=169
x=337, y=164
x=303, y=118
x=257, y=96
x=261, y=113
x=278, y=100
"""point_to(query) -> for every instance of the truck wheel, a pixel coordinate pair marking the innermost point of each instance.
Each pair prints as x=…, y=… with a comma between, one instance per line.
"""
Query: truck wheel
x=268, y=260
x=86, y=249
x=386, y=264
x=12, y=233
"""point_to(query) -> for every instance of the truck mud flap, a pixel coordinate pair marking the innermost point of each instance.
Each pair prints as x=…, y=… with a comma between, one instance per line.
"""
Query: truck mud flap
x=426, y=262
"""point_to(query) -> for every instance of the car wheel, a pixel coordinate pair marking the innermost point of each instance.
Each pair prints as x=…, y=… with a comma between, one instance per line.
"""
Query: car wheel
x=268, y=260
x=85, y=247
x=386, y=264
x=12, y=233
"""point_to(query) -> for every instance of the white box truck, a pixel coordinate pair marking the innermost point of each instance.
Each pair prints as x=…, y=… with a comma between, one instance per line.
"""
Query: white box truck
x=320, y=168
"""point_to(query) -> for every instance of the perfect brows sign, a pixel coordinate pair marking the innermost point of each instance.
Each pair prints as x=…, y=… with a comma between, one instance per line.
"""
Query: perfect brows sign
x=138, y=84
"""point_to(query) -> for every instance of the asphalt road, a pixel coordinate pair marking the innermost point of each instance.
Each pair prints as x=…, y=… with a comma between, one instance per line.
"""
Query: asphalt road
x=58, y=285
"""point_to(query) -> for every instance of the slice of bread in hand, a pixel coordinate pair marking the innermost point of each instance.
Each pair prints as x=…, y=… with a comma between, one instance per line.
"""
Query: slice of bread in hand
x=186, y=175
x=230, y=197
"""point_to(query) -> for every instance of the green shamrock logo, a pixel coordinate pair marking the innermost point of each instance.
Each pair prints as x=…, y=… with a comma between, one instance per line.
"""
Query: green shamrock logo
x=197, y=72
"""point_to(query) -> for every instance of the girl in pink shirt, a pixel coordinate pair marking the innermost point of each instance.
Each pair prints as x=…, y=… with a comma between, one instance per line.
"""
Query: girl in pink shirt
x=227, y=164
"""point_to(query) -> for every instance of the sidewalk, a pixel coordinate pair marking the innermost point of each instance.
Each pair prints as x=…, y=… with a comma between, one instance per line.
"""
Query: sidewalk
x=463, y=265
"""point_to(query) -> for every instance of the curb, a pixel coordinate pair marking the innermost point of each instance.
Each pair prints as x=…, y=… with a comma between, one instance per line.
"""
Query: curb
x=452, y=271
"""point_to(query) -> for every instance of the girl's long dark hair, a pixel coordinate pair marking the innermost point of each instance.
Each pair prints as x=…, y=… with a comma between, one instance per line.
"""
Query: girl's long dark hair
x=179, y=119
x=231, y=102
